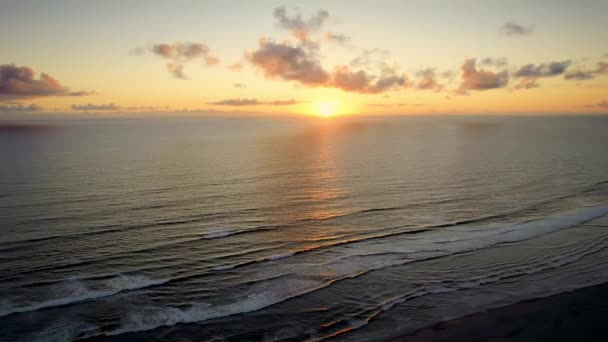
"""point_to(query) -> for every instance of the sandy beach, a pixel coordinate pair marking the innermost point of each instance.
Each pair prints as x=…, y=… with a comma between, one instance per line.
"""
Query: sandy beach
x=573, y=316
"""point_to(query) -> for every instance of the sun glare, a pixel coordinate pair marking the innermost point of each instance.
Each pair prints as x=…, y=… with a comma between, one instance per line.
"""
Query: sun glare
x=325, y=108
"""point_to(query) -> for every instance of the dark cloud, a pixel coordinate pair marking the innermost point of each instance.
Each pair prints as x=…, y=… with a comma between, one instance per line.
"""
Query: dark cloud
x=480, y=79
x=428, y=80
x=602, y=104
x=514, y=29
x=580, y=75
x=543, y=70
x=300, y=28
x=337, y=38
x=89, y=106
x=299, y=64
x=21, y=82
x=494, y=62
x=239, y=85
x=291, y=63
x=238, y=102
x=18, y=107
x=179, y=54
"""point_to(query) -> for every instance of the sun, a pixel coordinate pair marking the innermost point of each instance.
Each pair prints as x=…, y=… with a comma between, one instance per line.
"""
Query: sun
x=326, y=108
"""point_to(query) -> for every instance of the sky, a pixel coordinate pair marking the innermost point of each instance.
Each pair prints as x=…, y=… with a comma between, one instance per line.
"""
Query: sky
x=304, y=57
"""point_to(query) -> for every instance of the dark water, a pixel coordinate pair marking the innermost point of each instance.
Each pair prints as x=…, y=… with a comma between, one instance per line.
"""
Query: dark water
x=274, y=229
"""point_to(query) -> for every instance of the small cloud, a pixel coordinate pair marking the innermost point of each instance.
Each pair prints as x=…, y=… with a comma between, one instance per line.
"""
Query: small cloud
x=21, y=82
x=361, y=82
x=480, y=79
x=428, y=80
x=177, y=70
x=370, y=57
x=527, y=83
x=337, y=38
x=494, y=62
x=236, y=67
x=300, y=28
x=20, y=108
x=580, y=75
x=179, y=54
x=543, y=70
x=90, y=106
x=238, y=102
x=395, y=104
x=514, y=29
x=602, y=104
x=291, y=63
x=239, y=85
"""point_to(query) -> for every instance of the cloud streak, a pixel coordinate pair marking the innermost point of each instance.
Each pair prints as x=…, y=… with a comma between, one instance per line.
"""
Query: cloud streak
x=89, y=106
x=602, y=104
x=242, y=102
x=511, y=28
x=20, y=108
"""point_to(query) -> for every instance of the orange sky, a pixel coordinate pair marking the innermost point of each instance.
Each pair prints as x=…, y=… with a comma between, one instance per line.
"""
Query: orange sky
x=314, y=58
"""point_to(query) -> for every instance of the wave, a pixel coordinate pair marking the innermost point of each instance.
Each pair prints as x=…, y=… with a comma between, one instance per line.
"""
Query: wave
x=307, y=278
x=223, y=233
x=363, y=317
x=77, y=292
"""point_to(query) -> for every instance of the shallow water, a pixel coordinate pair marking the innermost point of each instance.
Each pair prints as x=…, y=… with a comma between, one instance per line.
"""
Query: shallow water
x=269, y=229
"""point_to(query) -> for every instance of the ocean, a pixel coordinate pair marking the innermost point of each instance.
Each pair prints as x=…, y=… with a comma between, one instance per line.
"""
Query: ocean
x=268, y=229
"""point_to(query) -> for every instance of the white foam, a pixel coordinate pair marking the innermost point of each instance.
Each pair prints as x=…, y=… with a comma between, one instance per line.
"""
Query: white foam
x=356, y=259
x=280, y=256
x=76, y=291
x=218, y=234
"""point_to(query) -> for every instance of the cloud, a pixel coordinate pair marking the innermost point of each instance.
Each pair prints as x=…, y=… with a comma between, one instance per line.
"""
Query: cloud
x=19, y=108
x=370, y=57
x=291, y=63
x=395, y=104
x=179, y=54
x=239, y=85
x=543, y=70
x=580, y=75
x=238, y=102
x=514, y=29
x=474, y=79
x=299, y=64
x=236, y=67
x=340, y=39
x=583, y=74
x=89, y=106
x=21, y=82
x=361, y=82
x=602, y=104
x=494, y=62
x=428, y=80
x=527, y=83
x=300, y=28
x=177, y=70
x=185, y=52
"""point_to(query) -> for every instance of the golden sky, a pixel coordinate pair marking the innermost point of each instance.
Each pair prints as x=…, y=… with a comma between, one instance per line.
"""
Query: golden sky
x=314, y=57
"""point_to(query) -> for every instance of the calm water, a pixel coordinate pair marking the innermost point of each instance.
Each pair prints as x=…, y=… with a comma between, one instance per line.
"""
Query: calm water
x=274, y=229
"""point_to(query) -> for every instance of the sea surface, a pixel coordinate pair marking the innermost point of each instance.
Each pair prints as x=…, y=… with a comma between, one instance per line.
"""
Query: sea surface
x=244, y=229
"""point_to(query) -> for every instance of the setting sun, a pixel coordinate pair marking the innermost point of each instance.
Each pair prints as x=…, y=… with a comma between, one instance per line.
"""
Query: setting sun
x=325, y=108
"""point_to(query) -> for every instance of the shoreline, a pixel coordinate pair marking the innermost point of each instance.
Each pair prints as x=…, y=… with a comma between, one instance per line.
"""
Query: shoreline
x=577, y=315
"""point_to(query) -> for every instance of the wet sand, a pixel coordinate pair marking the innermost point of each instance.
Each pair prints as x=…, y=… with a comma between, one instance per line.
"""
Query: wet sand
x=580, y=315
